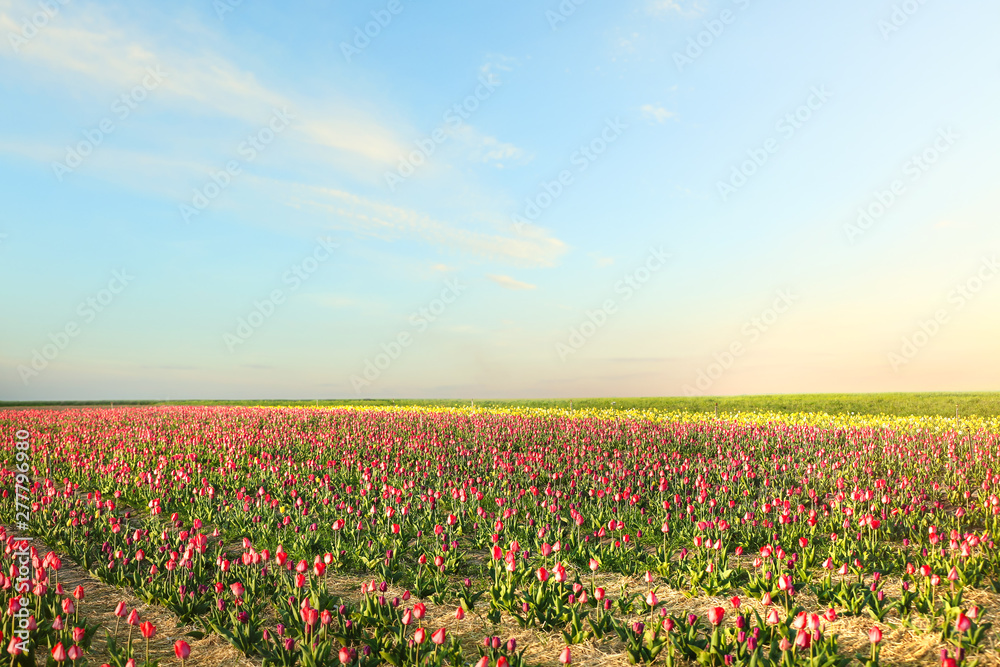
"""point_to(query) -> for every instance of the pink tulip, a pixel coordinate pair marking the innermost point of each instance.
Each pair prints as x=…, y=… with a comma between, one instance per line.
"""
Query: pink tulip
x=59, y=653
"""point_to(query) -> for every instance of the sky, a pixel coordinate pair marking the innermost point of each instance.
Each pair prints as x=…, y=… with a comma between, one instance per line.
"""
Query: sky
x=395, y=198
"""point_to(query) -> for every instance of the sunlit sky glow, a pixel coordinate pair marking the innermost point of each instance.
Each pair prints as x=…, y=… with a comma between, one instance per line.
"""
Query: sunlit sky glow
x=497, y=199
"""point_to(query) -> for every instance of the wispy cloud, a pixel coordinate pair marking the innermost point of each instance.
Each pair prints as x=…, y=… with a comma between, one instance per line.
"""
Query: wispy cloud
x=600, y=261
x=510, y=283
x=91, y=50
x=336, y=301
x=367, y=217
x=96, y=55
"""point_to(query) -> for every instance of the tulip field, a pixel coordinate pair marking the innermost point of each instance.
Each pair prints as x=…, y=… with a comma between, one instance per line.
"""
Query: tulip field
x=495, y=537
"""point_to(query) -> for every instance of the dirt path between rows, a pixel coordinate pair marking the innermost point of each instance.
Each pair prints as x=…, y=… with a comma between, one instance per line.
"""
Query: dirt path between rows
x=99, y=606
x=904, y=646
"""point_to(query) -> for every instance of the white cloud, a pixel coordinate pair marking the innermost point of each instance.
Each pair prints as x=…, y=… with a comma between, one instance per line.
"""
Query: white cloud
x=656, y=113
x=497, y=62
x=680, y=7
x=627, y=44
x=510, y=283
x=499, y=152
x=487, y=149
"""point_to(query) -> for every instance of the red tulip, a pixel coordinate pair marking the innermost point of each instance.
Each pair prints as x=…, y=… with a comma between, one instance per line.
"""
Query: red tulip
x=439, y=636
x=962, y=623
x=566, y=658
x=875, y=635
x=181, y=649
x=715, y=615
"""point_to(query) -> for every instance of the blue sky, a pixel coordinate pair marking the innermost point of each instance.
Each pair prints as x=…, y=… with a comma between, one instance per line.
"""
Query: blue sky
x=497, y=199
